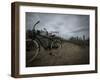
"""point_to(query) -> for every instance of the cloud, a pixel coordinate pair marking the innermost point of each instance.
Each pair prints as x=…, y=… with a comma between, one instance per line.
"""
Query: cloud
x=67, y=25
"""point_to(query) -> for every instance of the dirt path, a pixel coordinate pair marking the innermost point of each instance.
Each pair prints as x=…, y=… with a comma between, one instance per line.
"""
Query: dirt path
x=69, y=54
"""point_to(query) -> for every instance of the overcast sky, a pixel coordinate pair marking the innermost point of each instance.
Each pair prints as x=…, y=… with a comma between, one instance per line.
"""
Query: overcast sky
x=67, y=25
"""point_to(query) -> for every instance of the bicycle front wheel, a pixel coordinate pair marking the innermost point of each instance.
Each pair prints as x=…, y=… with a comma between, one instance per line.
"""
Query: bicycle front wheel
x=33, y=52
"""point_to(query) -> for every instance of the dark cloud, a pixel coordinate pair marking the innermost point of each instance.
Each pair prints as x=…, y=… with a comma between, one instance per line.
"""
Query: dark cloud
x=67, y=25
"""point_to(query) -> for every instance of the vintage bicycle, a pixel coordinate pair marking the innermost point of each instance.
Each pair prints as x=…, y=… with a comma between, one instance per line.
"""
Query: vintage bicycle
x=36, y=39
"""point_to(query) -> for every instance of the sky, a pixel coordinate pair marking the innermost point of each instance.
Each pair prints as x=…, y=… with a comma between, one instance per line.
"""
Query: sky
x=68, y=25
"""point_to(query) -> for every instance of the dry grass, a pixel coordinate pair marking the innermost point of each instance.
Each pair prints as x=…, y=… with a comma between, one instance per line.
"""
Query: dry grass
x=69, y=54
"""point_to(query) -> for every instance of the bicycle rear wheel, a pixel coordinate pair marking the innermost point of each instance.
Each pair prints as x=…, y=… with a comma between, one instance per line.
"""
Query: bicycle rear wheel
x=56, y=44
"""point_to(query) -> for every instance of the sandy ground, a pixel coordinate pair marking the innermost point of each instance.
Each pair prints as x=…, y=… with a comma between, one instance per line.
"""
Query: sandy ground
x=69, y=54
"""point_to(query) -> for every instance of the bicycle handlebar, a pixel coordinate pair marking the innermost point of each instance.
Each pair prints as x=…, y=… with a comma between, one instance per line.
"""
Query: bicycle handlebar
x=35, y=24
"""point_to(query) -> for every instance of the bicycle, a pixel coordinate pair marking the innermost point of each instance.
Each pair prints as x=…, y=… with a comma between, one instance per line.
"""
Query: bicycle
x=34, y=44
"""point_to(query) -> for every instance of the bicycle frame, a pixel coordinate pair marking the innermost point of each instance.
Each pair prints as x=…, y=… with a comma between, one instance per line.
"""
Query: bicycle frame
x=36, y=35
